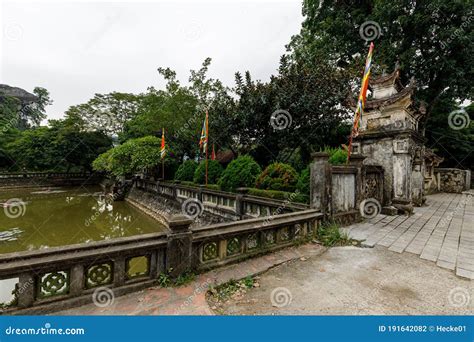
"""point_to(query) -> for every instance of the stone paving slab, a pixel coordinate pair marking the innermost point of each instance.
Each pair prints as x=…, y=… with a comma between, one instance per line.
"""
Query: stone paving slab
x=442, y=231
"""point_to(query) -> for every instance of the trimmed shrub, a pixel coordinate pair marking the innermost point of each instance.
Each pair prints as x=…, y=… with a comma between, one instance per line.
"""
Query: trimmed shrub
x=214, y=172
x=241, y=172
x=213, y=187
x=337, y=156
x=280, y=195
x=303, y=181
x=278, y=176
x=186, y=171
x=209, y=186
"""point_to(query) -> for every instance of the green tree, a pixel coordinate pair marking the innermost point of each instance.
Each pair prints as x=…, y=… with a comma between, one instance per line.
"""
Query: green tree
x=59, y=147
x=107, y=112
x=141, y=154
x=297, y=111
x=431, y=41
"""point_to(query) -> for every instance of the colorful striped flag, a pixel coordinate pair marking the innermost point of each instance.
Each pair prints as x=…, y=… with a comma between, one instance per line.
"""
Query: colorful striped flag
x=362, y=98
x=204, y=133
x=163, y=144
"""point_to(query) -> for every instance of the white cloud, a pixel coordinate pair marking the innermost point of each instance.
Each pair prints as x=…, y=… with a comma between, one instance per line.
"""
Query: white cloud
x=76, y=49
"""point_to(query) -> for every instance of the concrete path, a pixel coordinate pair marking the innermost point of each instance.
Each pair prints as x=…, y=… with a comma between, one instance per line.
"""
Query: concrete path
x=442, y=232
x=356, y=281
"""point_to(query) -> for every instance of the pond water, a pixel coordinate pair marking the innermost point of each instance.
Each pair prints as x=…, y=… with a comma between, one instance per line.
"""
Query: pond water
x=39, y=218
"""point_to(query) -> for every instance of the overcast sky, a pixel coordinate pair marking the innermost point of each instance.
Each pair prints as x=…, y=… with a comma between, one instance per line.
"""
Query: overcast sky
x=78, y=48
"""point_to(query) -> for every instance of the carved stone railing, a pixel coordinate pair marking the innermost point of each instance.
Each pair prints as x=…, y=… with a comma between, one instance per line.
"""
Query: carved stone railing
x=62, y=277
x=66, y=276
x=232, y=206
x=220, y=244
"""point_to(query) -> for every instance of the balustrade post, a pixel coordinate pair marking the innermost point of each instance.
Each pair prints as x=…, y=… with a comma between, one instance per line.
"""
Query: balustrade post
x=26, y=290
x=357, y=161
x=120, y=271
x=320, y=183
x=179, y=248
x=200, y=191
x=174, y=189
x=239, y=202
x=77, y=280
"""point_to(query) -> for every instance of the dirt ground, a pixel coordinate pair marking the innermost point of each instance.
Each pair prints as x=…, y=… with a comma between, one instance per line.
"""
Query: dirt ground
x=354, y=281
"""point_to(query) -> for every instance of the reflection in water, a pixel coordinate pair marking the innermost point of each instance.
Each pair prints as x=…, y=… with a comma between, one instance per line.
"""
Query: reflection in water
x=63, y=216
x=10, y=235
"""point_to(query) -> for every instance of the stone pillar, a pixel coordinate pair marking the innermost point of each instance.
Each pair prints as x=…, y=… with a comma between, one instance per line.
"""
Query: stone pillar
x=418, y=182
x=26, y=290
x=179, y=248
x=120, y=271
x=358, y=162
x=77, y=280
x=201, y=188
x=239, y=202
x=320, y=183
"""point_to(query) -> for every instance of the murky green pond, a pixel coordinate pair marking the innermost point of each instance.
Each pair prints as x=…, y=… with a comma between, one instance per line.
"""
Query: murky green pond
x=38, y=218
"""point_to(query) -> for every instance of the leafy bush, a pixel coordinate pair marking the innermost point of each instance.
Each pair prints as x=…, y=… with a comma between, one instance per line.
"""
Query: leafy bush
x=241, y=172
x=186, y=171
x=280, y=195
x=214, y=172
x=278, y=176
x=303, y=184
x=337, y=156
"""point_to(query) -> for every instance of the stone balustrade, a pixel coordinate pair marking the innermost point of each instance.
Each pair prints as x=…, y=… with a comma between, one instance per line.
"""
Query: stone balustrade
x=230, y=206
x=61, y=277
x=223, y=243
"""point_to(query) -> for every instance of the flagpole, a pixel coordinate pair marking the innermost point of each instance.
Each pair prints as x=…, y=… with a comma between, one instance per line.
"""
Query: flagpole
x=361, y=100
x=162, y=152
x=207, y=139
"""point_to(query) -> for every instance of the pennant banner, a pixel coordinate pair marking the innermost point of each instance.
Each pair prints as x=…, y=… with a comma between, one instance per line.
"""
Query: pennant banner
x=361, y=100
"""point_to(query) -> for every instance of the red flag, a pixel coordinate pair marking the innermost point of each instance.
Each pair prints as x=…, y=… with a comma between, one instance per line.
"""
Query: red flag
x=163, y=144
x=213, y=155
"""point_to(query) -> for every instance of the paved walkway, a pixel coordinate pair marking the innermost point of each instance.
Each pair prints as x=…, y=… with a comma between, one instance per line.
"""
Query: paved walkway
x=442, y=232
x=191, y=299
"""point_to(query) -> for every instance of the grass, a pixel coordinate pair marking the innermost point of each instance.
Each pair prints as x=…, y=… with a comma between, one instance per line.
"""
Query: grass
x=330, y=235
x=225, y=291
x=165, y=280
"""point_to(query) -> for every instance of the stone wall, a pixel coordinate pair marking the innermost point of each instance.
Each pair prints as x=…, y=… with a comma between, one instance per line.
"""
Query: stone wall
x=339, y=191
x=453, y=180
x=162, y=208
x=42, y=179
